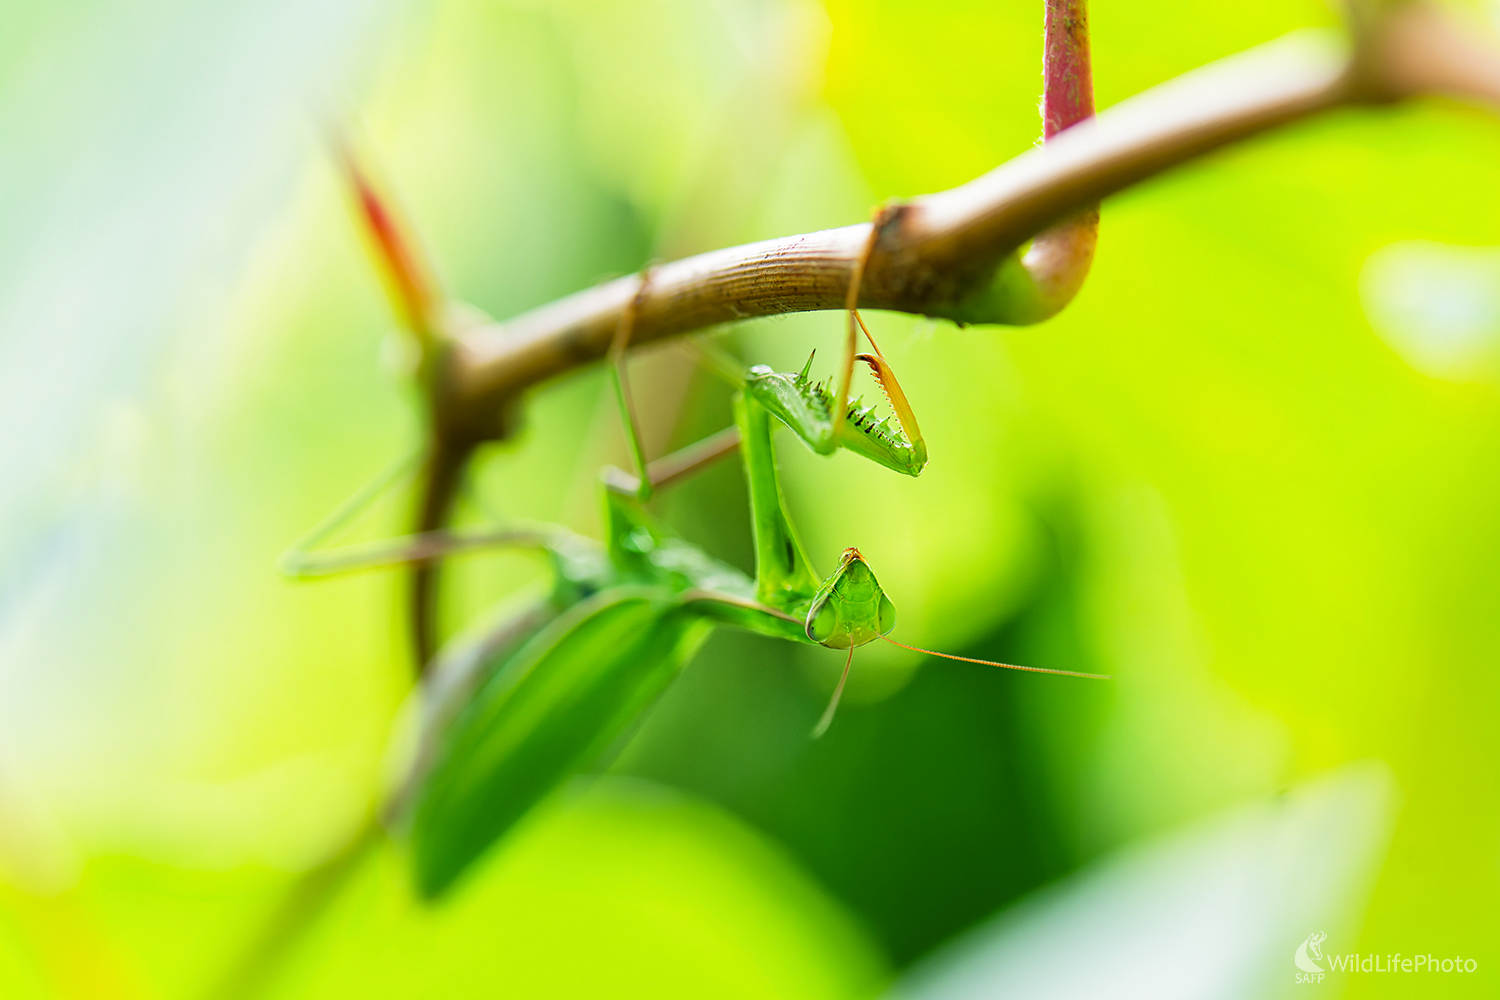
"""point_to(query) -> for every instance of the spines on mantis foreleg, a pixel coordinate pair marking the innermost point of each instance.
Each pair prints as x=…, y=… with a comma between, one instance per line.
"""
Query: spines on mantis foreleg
x=807, y=408
x=895, y=397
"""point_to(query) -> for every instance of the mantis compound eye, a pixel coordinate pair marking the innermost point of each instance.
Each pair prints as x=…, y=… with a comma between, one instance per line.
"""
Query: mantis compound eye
x=822, y=622
x=886, y=619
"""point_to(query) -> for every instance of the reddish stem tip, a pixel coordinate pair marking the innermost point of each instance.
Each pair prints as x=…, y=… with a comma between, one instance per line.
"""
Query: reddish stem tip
x=1068, y=82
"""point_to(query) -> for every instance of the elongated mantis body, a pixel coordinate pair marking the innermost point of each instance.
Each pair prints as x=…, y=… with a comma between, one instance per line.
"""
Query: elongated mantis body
x=508, y=717
x=622, y=621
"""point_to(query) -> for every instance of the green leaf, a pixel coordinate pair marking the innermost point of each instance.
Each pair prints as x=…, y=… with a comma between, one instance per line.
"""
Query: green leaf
x=551, y=710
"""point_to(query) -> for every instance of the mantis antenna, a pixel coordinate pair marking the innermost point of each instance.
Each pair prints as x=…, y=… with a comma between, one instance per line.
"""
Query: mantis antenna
x=838, y=692
x=994, y=663
x=833, y=703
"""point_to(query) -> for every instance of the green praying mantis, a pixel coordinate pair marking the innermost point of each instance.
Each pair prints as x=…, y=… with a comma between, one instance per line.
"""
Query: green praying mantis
x=505, y=718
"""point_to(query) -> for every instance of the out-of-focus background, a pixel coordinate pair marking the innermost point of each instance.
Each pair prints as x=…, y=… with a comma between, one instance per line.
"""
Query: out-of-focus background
x=1252, y=473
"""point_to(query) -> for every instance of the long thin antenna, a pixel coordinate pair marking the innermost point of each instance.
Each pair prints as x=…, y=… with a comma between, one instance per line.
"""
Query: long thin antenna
x=833, y=704
x=991, y=663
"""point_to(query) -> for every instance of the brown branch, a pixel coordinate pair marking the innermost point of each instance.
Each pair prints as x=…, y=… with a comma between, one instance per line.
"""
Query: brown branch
x=939, y=254
x=1425, y=49
x=952, y=255
x=441, y=479
x=1067, y=69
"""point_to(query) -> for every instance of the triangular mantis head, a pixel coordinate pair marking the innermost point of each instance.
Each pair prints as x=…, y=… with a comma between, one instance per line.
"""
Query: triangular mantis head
x=850, y=609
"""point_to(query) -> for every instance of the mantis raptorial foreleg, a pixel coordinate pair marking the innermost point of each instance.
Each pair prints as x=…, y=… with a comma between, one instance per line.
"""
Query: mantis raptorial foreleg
x=809, y=409
x=824, y=418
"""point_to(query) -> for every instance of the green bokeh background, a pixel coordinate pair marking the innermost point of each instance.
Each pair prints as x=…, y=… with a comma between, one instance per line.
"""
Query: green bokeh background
x=1217, y=476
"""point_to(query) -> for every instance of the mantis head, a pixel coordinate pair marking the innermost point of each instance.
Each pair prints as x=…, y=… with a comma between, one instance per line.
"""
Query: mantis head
x=850, y=609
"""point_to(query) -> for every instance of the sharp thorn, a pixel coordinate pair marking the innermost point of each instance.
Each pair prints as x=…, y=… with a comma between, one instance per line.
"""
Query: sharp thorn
x=807, y=367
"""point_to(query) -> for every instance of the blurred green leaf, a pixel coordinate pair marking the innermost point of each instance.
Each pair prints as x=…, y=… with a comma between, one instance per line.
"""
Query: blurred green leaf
x=1211, y=912
x=556, y=703
x=612, y=888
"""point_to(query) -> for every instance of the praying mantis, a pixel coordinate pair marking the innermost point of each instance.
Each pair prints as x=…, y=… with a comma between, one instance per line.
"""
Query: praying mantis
x=506, y=718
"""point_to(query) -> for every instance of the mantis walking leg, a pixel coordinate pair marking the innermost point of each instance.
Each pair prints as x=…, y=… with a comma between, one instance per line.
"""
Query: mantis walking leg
x=679, y=465
x=851, y=339
x=621, y=378
x=652, y=476
x=302, y=562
